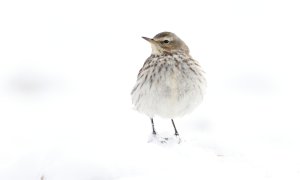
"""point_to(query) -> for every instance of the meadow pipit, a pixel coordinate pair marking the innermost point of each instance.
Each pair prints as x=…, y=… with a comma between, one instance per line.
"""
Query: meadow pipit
x=170, y=84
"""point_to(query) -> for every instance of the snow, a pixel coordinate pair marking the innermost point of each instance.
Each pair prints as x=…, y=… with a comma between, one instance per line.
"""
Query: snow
x=67, y=69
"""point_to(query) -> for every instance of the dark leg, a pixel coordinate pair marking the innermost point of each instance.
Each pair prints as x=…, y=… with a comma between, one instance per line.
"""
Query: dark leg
x=153, y=129
x=176, y=132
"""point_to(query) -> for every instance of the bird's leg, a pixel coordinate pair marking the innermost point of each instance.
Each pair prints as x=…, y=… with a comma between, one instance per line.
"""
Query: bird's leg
x=153, y=129
x=158, y=138
x=176, y=132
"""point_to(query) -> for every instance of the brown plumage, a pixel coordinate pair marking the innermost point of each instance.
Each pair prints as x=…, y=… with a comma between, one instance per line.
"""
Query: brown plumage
x=171, y=82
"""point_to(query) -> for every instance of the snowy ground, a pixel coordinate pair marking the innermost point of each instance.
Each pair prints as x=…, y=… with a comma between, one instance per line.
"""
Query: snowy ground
x=67, y=69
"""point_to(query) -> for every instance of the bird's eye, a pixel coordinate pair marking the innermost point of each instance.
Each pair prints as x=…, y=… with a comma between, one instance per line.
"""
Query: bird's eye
x=166, y=41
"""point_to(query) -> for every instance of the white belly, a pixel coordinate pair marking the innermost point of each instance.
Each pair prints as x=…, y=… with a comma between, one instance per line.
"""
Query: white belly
x=175, y=92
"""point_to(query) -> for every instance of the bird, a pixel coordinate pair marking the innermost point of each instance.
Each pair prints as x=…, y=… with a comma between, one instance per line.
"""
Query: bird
x=170, y=83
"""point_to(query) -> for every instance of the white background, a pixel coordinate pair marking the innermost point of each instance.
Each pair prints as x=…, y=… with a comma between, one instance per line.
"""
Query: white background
x=67, y=69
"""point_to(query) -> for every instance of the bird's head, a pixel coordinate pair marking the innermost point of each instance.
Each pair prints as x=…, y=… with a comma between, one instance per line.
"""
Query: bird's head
x=167, y=43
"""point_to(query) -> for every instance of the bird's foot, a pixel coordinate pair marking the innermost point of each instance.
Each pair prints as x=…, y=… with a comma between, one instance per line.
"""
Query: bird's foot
x=177, y=138
x=158, y=139
x=155, y=138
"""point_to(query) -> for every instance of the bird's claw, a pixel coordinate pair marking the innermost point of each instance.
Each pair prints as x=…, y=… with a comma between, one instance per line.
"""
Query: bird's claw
x=165, y=140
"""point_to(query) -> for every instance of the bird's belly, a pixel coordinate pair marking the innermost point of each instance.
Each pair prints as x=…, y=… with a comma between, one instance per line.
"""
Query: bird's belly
x=171, y=96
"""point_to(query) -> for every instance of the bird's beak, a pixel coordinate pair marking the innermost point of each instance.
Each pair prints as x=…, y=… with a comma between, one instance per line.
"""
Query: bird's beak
x=148, y=39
